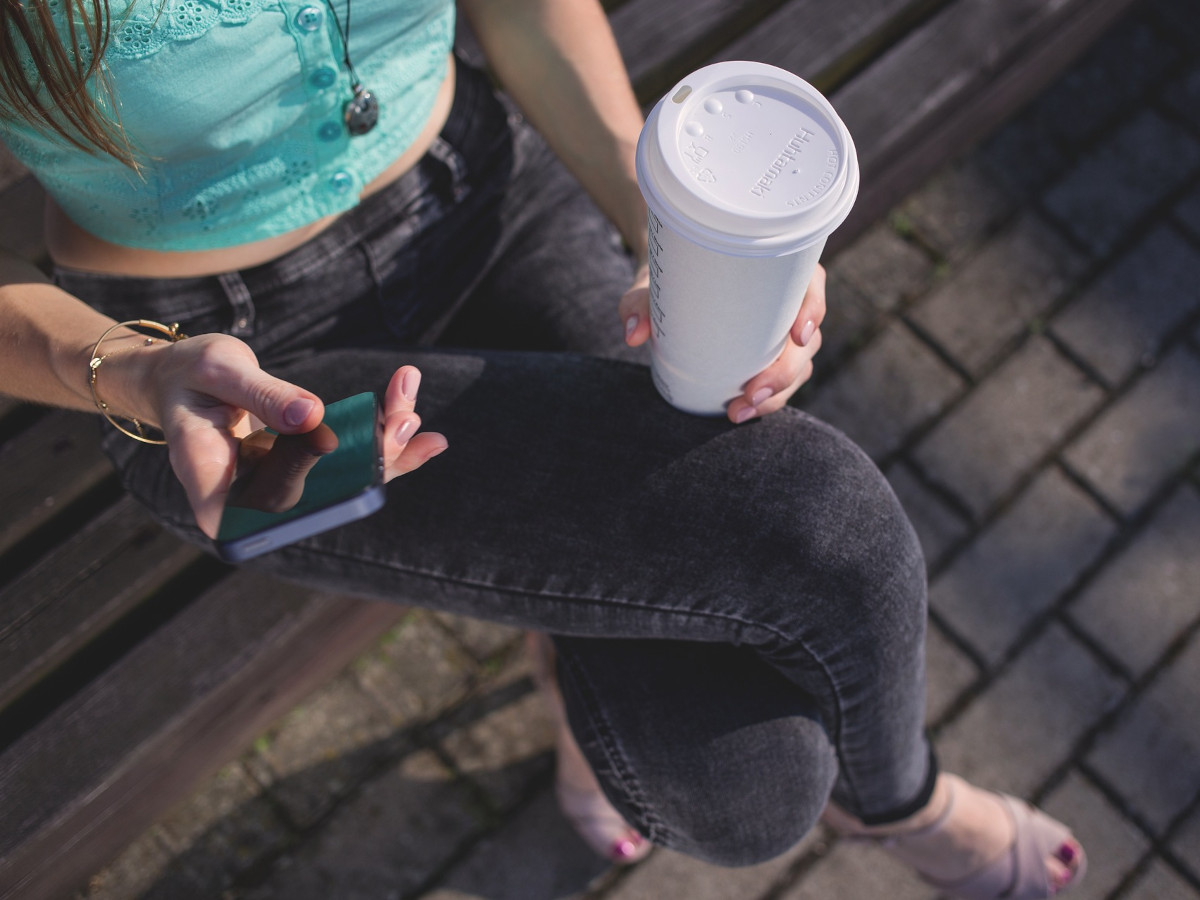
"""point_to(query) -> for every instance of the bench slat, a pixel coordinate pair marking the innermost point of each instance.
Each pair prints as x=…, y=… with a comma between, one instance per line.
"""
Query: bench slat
x=45, y=468
x=172, y=710
x=661, y=40
x=821, y=45
x=117, y=561
x=949, y=82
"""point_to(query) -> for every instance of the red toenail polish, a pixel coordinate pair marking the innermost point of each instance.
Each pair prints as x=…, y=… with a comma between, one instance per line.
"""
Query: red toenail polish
x=1066, y=853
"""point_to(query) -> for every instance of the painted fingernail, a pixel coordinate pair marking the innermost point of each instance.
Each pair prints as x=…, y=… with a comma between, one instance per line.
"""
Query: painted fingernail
x=631, y=325
x=405, y=431
x=744, y=414
x=627, y=848
x=806, y=334
x=409, y=382
x=760, y=395
x=297, y=411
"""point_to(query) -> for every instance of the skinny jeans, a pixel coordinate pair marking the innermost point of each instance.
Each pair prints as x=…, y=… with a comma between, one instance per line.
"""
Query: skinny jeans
x=738, y=611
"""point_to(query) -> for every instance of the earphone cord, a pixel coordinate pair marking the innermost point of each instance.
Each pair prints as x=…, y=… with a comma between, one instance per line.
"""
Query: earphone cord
x=344, y=34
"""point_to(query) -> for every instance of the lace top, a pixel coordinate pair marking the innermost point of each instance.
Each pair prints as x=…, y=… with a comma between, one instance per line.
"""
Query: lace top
x=234, y=108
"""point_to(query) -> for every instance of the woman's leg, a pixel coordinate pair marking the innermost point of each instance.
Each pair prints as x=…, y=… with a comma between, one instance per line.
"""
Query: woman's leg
x=573, y=500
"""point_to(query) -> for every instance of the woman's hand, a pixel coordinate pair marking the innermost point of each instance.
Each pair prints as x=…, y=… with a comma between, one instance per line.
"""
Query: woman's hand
x=208, y=392
x=771, y=388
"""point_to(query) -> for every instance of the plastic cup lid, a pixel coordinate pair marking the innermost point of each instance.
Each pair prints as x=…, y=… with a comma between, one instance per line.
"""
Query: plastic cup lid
x=748, y=158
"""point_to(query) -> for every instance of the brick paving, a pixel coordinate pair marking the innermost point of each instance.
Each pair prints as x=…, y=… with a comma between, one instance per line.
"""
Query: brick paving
x=1018, y=346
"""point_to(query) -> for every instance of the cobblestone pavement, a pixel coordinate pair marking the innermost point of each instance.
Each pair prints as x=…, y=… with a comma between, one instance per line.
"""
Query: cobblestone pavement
x=1018, y=346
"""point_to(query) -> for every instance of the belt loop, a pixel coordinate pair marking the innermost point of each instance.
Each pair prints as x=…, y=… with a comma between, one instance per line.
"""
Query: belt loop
x=241, y=302
x=441, y=150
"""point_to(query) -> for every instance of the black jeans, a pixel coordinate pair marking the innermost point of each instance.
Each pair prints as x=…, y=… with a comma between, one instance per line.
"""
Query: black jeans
x=739, y=611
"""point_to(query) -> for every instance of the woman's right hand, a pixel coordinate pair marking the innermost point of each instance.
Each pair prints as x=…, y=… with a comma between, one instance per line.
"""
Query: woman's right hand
x=208, y=392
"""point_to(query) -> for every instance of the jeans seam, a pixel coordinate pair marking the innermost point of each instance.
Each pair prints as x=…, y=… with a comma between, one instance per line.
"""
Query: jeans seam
x=657, y=830
x=830, y=681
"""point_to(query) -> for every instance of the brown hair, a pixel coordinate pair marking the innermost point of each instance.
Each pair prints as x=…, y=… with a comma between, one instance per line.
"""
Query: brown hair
x=57, y=99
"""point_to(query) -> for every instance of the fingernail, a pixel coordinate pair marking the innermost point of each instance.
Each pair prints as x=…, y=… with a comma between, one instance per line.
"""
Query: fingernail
x=409, y=382
x=297, y=411
x=404, y=432
x=806, y=335
x=631, y=325
x=437, y=451
x=760, y=395
x=746, y=413
x=627, y=848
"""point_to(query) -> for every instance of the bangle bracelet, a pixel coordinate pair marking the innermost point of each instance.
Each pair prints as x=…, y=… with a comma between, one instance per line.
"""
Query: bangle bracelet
x=171, y=332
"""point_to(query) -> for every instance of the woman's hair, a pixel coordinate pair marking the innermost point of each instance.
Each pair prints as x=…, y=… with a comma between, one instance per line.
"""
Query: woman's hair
x=57, y=98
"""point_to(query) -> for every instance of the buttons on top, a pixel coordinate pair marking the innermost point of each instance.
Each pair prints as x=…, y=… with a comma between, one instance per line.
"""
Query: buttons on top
x=310, y=18
x=340, y=182
x=323, y=77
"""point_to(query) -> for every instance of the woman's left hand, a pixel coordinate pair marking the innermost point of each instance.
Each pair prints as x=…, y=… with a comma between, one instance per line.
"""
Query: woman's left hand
x=771, y=388
x=404, y=449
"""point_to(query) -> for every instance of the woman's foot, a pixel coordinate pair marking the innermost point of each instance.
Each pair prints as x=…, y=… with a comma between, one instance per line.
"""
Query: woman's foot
x=579, y=795
x=977, y=845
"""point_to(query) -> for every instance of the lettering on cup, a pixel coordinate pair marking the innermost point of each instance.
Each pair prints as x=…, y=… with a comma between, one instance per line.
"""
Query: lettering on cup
x=789, y=154
x=828, y=173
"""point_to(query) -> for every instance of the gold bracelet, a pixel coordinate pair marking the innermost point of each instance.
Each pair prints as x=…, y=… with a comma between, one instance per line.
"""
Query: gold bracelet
x=171, y=332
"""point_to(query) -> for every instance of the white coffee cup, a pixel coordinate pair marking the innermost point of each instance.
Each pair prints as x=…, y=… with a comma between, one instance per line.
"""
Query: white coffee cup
x=746, y=170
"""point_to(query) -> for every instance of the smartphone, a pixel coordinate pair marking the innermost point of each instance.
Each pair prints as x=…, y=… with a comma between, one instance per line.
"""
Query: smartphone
x=292, y=486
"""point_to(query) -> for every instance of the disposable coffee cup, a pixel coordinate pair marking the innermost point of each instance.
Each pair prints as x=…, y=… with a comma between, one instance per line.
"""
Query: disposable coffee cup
x=746, y=170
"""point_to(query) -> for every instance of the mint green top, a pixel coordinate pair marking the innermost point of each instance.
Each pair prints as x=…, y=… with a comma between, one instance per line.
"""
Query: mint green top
x=235, y=109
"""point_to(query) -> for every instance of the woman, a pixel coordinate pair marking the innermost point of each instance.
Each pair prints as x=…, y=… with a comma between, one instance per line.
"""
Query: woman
x=329, y=201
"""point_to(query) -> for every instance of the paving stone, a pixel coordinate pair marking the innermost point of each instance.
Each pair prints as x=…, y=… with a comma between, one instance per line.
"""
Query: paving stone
x=223, y=829
x=483, y=640
x=999, y=292
x=1151, y=757
x=534, y=857
x=864, y=871
x=1146, y=437
x=1188, y=213
x=417, y=671
x=391, y=838
x=894, y=385
x=1142, y=600
x=1112, y=78
x=142, y=869
x=1114, y=845
x=321, y=750
x=1161, y=882
x=1186, y=844
x=956, y=208
x=1006, y=425
x=1123, y=179
x=937, y=525
x=1177, y=20
x=1020, y=159
x=1182, y=95
x=671, y=876
x=1121, y=321
x=884, y=267
x=849, y=318
x=1026, y=724
x=1016, y=569
x=948, y=672
x=508, y=748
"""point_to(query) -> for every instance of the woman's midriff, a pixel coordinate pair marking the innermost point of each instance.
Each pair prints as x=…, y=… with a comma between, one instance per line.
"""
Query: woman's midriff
x=71, y=246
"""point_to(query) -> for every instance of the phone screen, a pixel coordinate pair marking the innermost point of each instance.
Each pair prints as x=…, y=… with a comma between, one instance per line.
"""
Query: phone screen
x=293, y=486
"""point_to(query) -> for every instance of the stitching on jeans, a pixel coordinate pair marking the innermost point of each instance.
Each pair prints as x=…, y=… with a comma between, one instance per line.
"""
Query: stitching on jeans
x=612, y=752
x=839, y=702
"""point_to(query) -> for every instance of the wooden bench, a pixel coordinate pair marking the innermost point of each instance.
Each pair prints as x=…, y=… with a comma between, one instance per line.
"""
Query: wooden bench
x=132, y=665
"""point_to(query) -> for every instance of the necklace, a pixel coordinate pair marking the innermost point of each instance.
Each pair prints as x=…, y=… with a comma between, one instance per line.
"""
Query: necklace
x=361, y=111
